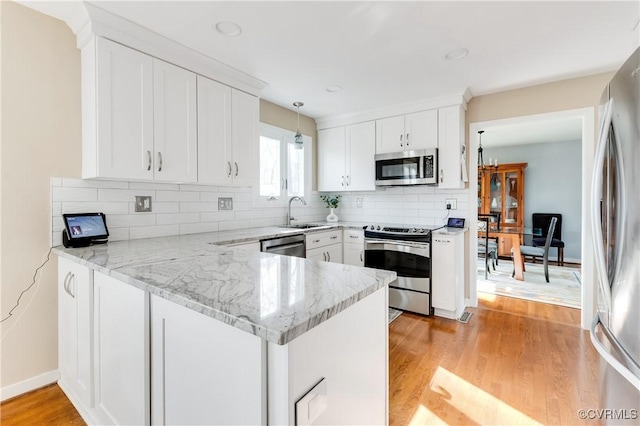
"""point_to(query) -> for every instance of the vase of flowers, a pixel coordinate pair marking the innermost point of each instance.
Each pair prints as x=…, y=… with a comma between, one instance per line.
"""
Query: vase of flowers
x=332, y=203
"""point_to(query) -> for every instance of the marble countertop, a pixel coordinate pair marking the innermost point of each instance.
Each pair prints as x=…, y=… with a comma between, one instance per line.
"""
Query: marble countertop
x=277, y=298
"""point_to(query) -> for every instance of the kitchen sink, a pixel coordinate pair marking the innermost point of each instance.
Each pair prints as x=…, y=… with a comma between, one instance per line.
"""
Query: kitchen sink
x=302, y=226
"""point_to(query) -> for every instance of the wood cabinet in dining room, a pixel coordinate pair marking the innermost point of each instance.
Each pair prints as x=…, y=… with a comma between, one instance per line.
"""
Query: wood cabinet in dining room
x=346, y=158
x=418, y=130
x=227, y=135
x=139, y=116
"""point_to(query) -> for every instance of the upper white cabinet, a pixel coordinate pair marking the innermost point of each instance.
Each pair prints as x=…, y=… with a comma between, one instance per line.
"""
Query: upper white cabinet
x=139, y=116
x=409, y=132
x=346, y=158
x=451, y=143
x=175, y=132
x=117, y=112
x=227, y=135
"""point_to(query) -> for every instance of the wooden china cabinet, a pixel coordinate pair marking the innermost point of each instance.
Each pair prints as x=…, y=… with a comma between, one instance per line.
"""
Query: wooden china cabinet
x=501, y=191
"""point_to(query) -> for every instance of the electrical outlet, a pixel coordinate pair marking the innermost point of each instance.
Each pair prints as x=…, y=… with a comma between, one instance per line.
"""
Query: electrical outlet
x=359, y=203
x=225, y=203
x=143, y=203
x=451, y=202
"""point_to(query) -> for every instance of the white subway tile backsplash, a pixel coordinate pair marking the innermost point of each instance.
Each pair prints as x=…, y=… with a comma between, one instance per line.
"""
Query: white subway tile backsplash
x=234, y=224
x=118, y=234
x=74, y=194
x=130, y=220
x=92, y=183
x=177, y=196
x=197, y=228
x=192, y=206
x=128, y=195
x=107, y=208
x=199, y=188
x=153, y=231
x=177, y=218
x=217, y=216
x=155, y=186
x=158, y=207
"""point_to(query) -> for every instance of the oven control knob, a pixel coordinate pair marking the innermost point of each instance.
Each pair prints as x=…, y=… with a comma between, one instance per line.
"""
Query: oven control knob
x=413, y=230
x=378, y=228
x=421, y=231
x=372, y=227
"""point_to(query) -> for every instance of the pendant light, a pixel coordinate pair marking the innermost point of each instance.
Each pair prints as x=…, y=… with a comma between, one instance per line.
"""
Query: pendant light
x=483, y=167
x=298, y=142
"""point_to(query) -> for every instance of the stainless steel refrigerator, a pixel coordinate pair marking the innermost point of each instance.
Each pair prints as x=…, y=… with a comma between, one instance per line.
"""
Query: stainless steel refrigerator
x=616, y=231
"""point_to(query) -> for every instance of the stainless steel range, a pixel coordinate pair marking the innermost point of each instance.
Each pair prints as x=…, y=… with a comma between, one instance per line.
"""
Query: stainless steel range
x=407, y=252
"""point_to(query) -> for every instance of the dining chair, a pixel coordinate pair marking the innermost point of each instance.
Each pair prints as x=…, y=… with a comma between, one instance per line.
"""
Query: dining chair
x=486, y=246
x=541, y=221
x=531, y=251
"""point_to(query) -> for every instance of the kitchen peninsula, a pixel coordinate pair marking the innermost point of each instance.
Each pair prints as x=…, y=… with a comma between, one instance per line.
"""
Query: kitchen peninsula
x=181, y=330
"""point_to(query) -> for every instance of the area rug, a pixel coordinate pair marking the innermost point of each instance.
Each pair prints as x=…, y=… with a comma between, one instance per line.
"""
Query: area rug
x=562, y=289
x=393, y=314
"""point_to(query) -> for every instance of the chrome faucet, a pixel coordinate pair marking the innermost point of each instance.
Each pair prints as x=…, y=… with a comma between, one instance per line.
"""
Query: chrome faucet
x=289, y=217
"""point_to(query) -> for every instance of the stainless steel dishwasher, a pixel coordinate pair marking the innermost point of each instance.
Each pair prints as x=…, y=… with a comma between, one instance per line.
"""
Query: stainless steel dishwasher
x=289, y=246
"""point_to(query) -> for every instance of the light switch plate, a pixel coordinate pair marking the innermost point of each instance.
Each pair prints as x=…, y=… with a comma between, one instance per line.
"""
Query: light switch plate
x=312, y=404
x=143, y=203
x=359, y=203
x=225, y=203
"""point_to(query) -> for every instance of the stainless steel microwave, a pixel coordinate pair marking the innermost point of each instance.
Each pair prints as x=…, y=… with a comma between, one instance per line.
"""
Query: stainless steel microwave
x=419, y=167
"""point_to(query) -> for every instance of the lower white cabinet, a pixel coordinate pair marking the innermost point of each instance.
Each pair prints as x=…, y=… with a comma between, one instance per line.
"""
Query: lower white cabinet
x=447, y=275
x=324, y=246
x=121, y=334
x=204, y=371
x=75, y=319
x=353, y=243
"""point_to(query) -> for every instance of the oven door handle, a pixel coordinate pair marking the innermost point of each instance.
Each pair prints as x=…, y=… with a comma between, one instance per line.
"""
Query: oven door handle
x=404, y=247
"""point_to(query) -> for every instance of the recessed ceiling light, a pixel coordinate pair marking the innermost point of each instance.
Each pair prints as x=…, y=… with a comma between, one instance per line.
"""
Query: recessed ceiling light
x=456, y=54
x=227, y=28
x=334, y=89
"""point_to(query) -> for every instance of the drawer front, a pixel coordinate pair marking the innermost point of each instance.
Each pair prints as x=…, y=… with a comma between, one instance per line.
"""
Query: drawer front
x=355, y=236
x=321, y=239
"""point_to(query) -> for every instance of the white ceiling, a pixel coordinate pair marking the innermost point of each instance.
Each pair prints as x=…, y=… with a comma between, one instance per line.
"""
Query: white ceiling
x=390, y=53
x=531, y=132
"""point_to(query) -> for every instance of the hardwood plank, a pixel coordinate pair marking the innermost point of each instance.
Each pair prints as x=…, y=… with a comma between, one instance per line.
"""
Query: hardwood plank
x=45, y=406
x=515, y=362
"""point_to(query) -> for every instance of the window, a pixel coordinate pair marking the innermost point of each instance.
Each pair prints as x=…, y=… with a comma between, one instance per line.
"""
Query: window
x=285, y=169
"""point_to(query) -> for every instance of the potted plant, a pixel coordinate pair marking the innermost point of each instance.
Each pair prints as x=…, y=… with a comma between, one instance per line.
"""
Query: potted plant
x=332, y=203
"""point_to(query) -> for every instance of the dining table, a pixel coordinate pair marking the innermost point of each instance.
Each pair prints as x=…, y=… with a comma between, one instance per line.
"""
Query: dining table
x=518, y=236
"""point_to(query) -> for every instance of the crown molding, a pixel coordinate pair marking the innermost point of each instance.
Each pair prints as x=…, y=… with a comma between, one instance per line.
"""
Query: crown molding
x=461, y=97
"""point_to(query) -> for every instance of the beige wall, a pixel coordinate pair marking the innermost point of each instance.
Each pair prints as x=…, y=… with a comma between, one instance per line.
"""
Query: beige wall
x=551, y=97
x=286, y=119
x=40, y=138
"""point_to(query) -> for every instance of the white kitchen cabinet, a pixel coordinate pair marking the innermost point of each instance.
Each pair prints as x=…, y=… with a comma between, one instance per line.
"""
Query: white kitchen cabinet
x=228, y=135
x=175, y=131
x=121, y=334
x=75, y=318
x=215, y=148
x=409, y=132
x=447, y=275
x=451, y=143
x=324, y=246
x=203, y=370
x=117, y=112
x=245, y=116
x=346, y=158
x=353, y=247
x=138, y=116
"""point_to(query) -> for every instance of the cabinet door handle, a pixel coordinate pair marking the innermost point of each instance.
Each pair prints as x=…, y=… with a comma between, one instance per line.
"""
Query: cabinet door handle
x=353, y=236
x=67, y=281
x=160, y=161
x=348, y=180
x=316, y=241
x=237, y=168
x=281, y=183
x=401, y=144
x=406, y=140
x=335, y=237
x=441, y=175
x=361, y=253
x=149, y=158
x=328, y=257
x=229, y=168
x=342, y=183
x=324, y=256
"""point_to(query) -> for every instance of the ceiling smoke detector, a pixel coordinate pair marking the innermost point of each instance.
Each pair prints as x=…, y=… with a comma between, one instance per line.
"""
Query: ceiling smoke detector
x=230, y=29
x=456, y=54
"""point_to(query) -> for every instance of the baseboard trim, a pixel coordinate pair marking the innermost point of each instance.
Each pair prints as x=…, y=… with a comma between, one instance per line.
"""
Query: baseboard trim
x=29, y=385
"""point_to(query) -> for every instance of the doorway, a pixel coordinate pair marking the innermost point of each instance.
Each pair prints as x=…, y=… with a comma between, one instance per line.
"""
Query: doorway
x=578, y=124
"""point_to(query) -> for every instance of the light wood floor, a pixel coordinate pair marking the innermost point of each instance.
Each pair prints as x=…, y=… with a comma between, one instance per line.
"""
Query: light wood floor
x=515, y=362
